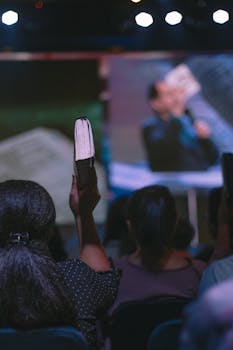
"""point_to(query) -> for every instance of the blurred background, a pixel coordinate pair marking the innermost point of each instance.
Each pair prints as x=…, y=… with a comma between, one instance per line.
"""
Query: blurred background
x=61, y=59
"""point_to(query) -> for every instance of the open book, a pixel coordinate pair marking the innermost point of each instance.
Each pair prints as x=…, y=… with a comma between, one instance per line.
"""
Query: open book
x=84, y=151
x=182, y=77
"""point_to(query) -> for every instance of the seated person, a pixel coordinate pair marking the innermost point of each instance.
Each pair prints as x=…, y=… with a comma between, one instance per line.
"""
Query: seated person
x=221, y=269
x=173, y=141
x=28, y=273
x=183, y=237
x=184, y=234
x=32, y=291
x=209, y=321
x=156, y=268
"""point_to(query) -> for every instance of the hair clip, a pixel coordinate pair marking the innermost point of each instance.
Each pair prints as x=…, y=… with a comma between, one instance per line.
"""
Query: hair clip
x=19, y=238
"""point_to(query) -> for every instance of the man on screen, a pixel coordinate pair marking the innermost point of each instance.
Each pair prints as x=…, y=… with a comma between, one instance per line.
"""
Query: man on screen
x=173, y=140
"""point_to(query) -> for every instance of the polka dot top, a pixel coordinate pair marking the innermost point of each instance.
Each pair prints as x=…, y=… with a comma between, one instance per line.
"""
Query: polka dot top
x=92, y=294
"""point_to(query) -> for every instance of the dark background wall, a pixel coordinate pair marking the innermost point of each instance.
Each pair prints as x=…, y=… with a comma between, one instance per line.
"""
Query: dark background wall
x=48, y=94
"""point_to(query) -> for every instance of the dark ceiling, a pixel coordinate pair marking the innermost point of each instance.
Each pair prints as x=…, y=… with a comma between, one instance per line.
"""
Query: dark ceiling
x=108, y=25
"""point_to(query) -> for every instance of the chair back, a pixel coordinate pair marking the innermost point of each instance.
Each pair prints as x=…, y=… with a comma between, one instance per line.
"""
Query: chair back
x=165, y=336
x=132, y=322
x=54, y=338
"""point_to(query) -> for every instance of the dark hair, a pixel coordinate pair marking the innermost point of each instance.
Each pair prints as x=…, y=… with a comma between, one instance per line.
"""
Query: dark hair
x=152, y=91
x=25, y=206
x=152, y=214
x=183, y=234
x=32, y=293
x=116, y=226
x=56, y=245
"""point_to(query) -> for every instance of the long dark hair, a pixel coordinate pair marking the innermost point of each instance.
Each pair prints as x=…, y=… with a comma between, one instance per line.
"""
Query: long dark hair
x=32, y=293
x=152, y=213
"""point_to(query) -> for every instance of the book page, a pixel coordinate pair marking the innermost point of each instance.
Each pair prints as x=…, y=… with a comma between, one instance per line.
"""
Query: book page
x=182, y=77
x=42, y=156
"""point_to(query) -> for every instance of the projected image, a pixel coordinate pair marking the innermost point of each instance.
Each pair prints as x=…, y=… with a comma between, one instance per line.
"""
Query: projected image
x=171, y=113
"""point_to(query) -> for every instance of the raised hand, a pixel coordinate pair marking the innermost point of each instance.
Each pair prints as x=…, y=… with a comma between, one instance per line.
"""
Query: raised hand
x=83, y=201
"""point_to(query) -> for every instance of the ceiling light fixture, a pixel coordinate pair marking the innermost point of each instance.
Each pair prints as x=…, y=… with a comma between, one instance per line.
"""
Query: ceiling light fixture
x=10, y=17
x=221, y=16
x=173, y=18
x=144, y=19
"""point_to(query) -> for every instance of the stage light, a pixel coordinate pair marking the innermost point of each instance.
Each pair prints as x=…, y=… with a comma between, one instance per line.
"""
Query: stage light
x=144, y=19
x=10, y=17
x=173, y=18
x=136, y=1
x=221, y=16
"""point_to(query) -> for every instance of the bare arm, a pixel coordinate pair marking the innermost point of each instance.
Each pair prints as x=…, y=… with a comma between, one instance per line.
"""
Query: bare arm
x=82, y=204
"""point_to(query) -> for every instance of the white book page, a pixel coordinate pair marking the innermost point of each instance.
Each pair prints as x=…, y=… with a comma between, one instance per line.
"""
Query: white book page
x=46, y=156
x=182, y=77
x=83, y=138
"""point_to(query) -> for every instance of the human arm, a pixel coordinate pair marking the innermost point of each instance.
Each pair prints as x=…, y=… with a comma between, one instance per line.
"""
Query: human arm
x=82, y=203
x=204, y=136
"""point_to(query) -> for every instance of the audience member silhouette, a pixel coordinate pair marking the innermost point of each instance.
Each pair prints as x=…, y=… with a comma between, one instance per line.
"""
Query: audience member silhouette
x=35, y=291
x=222, y=268
x=209, y=321
x=32, y=293
x=156, y=268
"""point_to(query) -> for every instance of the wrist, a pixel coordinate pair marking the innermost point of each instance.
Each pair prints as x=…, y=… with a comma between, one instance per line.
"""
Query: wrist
x=83, y=215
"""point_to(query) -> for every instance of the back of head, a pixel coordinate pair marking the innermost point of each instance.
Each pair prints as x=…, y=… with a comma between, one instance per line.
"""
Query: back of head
x=184, y=233
x=209, y=320
x=25, y=206
x=152, y=214
x=31, y=291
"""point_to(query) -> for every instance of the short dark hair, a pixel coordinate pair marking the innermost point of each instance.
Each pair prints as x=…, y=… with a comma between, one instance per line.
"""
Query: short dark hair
x=152, y=91
x=32, y=292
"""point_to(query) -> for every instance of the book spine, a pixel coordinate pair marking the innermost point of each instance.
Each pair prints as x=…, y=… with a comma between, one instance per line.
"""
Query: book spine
x=84, y=171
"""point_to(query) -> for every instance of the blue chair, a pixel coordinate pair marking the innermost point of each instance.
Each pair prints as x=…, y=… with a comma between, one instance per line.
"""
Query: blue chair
x=132, y=322
x=165, y=336
x=54, y=338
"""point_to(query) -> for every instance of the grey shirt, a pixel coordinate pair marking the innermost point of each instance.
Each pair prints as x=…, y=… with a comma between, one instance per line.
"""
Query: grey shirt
x=137, y=283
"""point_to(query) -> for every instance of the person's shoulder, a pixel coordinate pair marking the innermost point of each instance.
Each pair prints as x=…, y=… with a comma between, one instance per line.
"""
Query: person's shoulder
x=76, y=266
x=71, y=264
x=222, y=266
x=199, y=264
x=216, y=272
x=121, y=261
x=150, y=121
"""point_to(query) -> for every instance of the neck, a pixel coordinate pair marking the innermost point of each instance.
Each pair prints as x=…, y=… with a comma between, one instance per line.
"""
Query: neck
x=164, y=116
x=173, y=259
